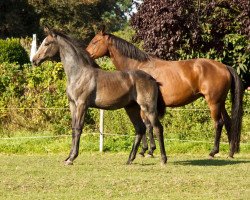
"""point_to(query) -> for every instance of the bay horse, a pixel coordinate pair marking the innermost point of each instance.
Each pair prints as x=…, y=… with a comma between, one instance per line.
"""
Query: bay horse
x=89, y=86
x=181, y=82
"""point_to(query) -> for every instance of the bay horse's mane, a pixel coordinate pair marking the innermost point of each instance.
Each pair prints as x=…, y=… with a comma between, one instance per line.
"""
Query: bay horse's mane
x=79, y=49
x=127, y=49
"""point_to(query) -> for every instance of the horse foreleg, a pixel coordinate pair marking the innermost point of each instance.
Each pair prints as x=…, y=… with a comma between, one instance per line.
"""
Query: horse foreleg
x=72, y=111
x=71, y=150
x=77, y=123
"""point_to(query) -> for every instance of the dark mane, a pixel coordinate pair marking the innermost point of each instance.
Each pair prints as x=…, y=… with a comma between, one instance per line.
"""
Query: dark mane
x=79, y=48
x=127, y=49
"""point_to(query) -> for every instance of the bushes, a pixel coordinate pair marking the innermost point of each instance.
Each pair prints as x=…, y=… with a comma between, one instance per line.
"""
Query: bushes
x=27, y=87
x=31, y=89
x=34, y=99
x=11, y=51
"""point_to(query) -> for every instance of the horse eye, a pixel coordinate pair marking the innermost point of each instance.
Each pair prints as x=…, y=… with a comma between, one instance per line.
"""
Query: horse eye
x=46, y=44
x=95, y=42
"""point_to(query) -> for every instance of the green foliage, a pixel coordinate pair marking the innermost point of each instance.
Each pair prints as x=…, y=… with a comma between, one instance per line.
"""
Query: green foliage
x=38, y=94
x=82, y=18
x=236, y=53
x=28, y=88
x=11, y=51
x=33, y=99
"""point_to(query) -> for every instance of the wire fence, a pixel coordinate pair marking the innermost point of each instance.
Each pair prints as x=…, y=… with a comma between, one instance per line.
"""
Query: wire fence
x=102, y=133
x=108, y=134
x=66, y=108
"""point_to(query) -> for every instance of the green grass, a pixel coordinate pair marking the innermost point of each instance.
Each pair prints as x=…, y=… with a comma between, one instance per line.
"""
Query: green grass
x=33, y=169
x=105, y=176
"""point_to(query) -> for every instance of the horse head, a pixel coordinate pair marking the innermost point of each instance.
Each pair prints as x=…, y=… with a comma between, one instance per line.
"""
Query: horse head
x=47, y=49
x=98, y=47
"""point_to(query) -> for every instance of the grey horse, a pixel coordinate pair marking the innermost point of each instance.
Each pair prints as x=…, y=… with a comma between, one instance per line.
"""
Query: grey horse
x=89, y=86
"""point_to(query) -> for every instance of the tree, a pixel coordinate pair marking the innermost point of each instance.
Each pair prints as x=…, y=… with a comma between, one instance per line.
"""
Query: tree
x=17, y=19
x=82, y=17
x=181, y=29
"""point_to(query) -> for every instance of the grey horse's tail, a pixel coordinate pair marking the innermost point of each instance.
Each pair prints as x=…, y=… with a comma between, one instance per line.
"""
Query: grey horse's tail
x=237, y=110
x=161, y=107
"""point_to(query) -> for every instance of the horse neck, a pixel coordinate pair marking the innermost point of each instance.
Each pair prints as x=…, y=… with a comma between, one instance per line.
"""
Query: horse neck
x=122, y=62
x=73, y=65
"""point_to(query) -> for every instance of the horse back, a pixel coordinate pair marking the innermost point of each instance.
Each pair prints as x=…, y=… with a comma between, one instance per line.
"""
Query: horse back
x=184, y=81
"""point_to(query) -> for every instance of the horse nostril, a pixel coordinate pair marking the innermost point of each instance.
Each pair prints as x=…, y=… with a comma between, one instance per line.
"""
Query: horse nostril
x=34, y=62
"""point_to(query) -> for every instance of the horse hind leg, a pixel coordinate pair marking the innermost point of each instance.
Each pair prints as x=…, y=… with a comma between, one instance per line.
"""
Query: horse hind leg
x=227, y=122
x=135, y=147
x=151, y=139
x=140, y=129
x=216, y=115
x=144, y=138
x=158, y=129
x=144, y=145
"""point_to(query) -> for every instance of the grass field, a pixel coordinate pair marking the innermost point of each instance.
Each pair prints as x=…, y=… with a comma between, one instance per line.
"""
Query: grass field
x=105, y=176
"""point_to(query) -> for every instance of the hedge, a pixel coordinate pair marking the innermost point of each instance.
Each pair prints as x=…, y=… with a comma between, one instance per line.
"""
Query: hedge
x=11, y=51
x=31, y=89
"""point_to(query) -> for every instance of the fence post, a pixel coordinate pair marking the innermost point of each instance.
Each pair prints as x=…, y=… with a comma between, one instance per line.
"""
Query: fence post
x=33, y=47
x=101, y=129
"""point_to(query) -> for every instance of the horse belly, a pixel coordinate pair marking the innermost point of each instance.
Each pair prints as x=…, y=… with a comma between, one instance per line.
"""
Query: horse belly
x=178, y=98
x=112, y=100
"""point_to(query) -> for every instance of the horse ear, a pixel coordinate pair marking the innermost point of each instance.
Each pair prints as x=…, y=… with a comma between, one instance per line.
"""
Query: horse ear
x=46, y=30
x=103, y=30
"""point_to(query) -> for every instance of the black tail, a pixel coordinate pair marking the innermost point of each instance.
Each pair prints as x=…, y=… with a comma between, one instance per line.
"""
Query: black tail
x=237, y=110
x=161, y=107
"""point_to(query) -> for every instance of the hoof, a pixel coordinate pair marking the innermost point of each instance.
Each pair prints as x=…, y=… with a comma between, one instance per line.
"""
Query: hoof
x=128, y=163
x=230, y=157
x=68, y=162
x=164, y=162
x=150, y=156
x=211, y=157
x=141, y=154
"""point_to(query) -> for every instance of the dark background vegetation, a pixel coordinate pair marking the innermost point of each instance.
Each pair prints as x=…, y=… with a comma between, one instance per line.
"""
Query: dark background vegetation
x=21, y=18
x=217, y=29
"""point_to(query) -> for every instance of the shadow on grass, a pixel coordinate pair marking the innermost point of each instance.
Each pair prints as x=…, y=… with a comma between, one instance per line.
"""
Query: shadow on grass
x=208, y=162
